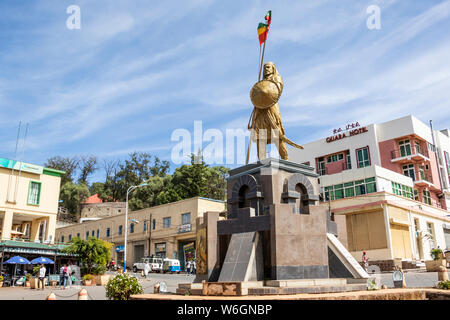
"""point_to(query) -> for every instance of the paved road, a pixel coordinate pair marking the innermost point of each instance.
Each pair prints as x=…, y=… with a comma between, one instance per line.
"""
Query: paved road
x=413, y=279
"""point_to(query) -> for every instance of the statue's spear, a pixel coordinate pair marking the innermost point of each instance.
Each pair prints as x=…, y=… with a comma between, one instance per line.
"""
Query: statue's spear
x=263, y=30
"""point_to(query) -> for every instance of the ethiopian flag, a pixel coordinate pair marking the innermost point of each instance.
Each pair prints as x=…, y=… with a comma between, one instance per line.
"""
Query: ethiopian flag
x=263, y=28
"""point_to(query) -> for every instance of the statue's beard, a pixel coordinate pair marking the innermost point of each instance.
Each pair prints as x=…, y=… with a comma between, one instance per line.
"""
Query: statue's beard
x=267, y=74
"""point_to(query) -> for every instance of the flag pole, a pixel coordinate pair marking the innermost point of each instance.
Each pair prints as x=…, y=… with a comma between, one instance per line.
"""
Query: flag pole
x=262, y=59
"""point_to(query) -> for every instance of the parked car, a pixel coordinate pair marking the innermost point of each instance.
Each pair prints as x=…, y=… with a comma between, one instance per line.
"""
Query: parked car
x=171, y=265
x=155, y=264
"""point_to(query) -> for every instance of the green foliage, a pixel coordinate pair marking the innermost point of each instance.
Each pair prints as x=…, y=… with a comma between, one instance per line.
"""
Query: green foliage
x=93, y=253
x=1, y=278
x=28, y=276
x=444, y=285
x=73, y=195
x=372, y=285
x=35, y=271
x=87, y=277
x=122, y=286
x=436, y=254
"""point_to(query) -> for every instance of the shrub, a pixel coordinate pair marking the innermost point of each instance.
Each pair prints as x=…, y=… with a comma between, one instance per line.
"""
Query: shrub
x=100, y=269
x=1, y=278
x=35, y=271
x=28, y=276
x=87, y=277
x=122, y=286
x=444, y=285
x=436, y=254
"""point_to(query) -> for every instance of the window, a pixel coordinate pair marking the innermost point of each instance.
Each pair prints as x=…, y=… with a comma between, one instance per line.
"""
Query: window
x=430, y=229
x=132, y=228
x=321, y=167
x=335, y=157
x=34, y=193
x=408, y=170
x=426, y=197
x=108, y=232
x=62, y=238
x=422, y=173
x=120, y=230
x=405, y=148
x=166, y=222
x=98, y=233
x=349, y=161
x=92, y=233
x=362, y=155
x=153, y=224
x=417, y=147
x=186, y=218
x=431, y=147
x=70, y=237
x=402, y=190
x=145, y=226
x=87, y=235
x=416, y=194
x=78, y=235
x=350, y=189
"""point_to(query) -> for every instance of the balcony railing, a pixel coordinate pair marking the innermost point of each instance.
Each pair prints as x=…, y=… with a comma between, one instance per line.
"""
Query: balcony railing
x=414, y=153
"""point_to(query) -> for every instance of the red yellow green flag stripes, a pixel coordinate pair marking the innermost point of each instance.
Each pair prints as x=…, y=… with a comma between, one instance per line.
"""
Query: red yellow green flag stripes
x=263, y=28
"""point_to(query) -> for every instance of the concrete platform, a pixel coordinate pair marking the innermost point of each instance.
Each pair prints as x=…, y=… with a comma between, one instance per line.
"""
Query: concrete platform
x=387, y=294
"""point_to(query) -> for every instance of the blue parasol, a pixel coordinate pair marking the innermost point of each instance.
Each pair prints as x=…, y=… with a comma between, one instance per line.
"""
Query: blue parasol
x=17, y=260
x=42, y=260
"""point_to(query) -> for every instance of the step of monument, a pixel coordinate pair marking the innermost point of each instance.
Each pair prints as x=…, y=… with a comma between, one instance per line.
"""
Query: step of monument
x=190, y=286
x=308, y=289
x=306, y=282
x=195, y=292
x=356, y=281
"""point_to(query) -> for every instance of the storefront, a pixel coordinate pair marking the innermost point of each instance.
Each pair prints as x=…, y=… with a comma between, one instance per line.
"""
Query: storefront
x=160, y=249
x=30, y=251
x=119, y=254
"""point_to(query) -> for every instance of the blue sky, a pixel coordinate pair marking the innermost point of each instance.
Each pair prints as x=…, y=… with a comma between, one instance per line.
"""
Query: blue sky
x=137, y=70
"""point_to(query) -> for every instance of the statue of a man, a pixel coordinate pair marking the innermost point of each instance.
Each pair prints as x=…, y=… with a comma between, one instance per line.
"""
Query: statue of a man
x=266, y=123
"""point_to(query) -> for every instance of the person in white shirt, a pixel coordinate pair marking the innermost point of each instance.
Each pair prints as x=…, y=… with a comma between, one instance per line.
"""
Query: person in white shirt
x=146, y=269
x=42, y=271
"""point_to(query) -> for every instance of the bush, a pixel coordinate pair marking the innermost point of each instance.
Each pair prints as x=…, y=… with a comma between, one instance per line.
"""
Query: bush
x=87, y=277
x=1, y=278
x=99, y=270
x=436, y=254
x=36, y=270
x=122, y=286
x=444, y=285
x=28, y=276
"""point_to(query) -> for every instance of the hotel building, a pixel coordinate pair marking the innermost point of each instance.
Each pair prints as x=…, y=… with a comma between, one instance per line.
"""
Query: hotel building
x=28, y=201
x=391, y=181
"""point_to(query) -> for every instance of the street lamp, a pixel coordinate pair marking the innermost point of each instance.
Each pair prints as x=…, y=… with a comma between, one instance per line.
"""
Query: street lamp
x=126, y=225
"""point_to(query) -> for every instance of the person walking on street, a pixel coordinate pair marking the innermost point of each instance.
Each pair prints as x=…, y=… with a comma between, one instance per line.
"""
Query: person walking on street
x=188, y=267
x=146, y=269
x=193, y=267
x=61, y=276
x=69, y=275
x=42, y=271
x=66, y=276
x=365, y=261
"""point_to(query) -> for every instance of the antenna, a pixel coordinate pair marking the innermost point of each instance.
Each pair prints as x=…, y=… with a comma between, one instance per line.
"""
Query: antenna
x=20, y=165
x=14, y=162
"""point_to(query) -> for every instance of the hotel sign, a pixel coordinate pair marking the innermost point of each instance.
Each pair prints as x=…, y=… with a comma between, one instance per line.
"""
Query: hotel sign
x=184, y=228
x=343, y=135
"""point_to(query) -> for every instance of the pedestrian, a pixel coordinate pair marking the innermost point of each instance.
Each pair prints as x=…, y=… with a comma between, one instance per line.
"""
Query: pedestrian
x=193, y=267
x=365, y=261
x=66, y=276
x=42, y=271
x=188, y=267
x=61, y=276
x=69, y=273
x=146, y=269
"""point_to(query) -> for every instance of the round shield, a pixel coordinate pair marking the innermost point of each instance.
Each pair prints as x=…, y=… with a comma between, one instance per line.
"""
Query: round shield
x=264, y=94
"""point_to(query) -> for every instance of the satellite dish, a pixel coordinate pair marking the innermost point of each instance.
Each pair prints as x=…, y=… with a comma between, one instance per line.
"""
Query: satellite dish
x=163, y=287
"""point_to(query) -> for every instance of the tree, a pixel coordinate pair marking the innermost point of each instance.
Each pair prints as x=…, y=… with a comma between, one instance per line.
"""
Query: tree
x=73, y=195
x=93, y=254
x=88, y=165
x=67, y=164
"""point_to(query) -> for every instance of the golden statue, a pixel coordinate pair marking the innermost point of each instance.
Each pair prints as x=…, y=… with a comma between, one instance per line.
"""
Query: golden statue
x=265, y=121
